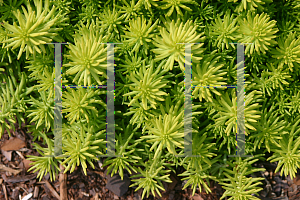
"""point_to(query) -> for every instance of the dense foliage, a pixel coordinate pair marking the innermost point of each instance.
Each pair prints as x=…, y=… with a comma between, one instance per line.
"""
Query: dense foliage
x=149, y=94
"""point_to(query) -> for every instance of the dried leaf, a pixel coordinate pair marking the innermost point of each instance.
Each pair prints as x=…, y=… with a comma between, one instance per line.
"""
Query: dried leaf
x=26, y=164
x=197, y=197
x=13, y=143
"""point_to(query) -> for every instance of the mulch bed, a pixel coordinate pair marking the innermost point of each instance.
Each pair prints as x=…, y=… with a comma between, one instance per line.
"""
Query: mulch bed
x=93, y=185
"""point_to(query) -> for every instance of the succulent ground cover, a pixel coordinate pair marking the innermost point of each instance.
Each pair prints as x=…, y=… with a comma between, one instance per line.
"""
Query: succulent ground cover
x=149, y=88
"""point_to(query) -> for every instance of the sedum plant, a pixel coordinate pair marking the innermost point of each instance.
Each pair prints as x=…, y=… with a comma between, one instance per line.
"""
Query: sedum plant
x=287, y=157
x=80, y=105
x=196, y=178
x=288, y=52
x=166, y=131
x=87, y=56
x=147, y=4
x=201, y=148
x=46, y=163
x=12, y=102
x=287, y=152
x=227, y=111
x=42, y=110
x=125, y=151
x=208, y=73
x=62, y=5
x=111, y=21
x=138, y=34
x=139, y=114
x=259, y=31
x=295, y=107
x=81, y=146
x=150, y=179
x=224, y=31
x=46, y=82
x=281, y=102
x=34, y=29
x=173, y=33
x=250, y=4
x=270, y=129
x=150, y=86
x=7, y=8
x=277, y=77
x=88, y=13
x=237, y=184
x=129, y=10
x=176, y=5
x=41, y=64
x=131, y=63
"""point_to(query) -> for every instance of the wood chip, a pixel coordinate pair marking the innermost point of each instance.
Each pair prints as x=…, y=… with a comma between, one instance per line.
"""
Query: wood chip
x=85, y=194
x=27, y=197
x=18, y=178
x=8, y=169
x=20, y=154
x=96, y=197
x=296, y=180
x=100, y=163
x=5, y=192
x=63, y=184
x=7, y=154
x=15, y=194
x=36, y=192
x=100, y=173
x=52, y=190
x=23, y=149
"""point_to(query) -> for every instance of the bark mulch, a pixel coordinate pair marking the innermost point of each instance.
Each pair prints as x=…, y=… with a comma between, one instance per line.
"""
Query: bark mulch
x=18, y=184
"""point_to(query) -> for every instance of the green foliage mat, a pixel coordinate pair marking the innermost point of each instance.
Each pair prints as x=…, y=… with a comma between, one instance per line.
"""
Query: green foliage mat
x=149, y=87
